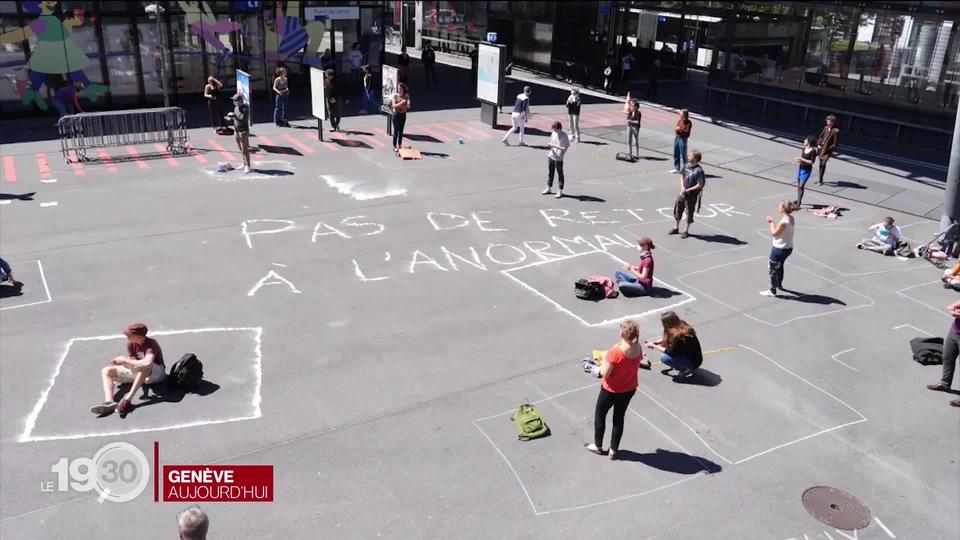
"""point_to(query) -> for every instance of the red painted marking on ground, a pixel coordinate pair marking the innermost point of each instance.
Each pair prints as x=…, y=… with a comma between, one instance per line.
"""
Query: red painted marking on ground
x=136, y=158
x=267, y=140
x=347, y=141
x=467, y=127
x=324, y=144
x=105, y=157
x=9, y=169
x=198, y=156
x=432, y=133
x=42, y=166
x=78, y=169
x=166, y=155
x=299, y=144
x=373, y=140
x=382, y=133
x=219, y=148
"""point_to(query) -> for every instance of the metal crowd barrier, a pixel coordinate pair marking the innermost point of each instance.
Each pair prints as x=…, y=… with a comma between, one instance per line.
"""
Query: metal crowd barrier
x=85, y=131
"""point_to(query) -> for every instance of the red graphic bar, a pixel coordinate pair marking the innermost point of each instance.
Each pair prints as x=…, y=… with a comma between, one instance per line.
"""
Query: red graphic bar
x=136, y=158
x=42, y=166
x=78, y=168
x=304, y=148
x=105, y=157
x=218, y=483
x=480, y=133
x=219, y=148
x=9, y=169
x=156, y=471
x=432, y=133
x=166, y=155
x=326, y=144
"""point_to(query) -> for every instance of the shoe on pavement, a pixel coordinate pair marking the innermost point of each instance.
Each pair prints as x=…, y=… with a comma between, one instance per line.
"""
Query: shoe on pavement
x=860, y=245
x=505, y=142
x=246, y=169
x=955, y=403
x=768, y=292
x=939, y=387
x=674, y=171
x=684, y=234
x=124, y=407
x=106, y=407
x=546, y=192
x=559, y=193
x=674, y=231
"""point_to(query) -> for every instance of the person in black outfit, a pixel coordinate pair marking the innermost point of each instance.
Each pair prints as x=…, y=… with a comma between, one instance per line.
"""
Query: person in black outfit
x=679, y=346
x=333, y=100
x=429, y=59
x=805, y=165
x=403, y=65
x=212, y=94
x=399, y=104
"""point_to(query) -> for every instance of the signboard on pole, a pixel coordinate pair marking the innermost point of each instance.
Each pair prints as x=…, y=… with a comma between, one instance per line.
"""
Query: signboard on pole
x=490, y=73
x=389, y=87
x=243, y=88
x=318, y=98
x=333, y=13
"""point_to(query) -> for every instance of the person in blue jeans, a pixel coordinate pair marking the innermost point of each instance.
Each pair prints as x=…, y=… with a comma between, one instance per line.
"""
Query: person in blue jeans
x=682, y=133
x=281, y=88
x=781, y=233
x=637, y=280
x=679, y=347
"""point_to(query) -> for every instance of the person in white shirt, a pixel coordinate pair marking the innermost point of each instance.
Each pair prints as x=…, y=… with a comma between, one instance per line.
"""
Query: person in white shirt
x=884, y=239
x=520, y=116
x=559, y=142
x=782, y=234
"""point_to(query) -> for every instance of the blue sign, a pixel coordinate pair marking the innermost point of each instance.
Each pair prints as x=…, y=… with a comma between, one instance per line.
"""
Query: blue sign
x=606, y=9
x=249, y=6
x=661, y=18
x=492, y=37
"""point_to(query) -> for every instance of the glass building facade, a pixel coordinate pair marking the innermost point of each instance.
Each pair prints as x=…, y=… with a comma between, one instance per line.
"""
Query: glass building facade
x=117, y=50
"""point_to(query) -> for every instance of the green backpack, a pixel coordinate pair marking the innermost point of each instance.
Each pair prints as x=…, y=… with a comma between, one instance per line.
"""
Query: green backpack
x=529, y=423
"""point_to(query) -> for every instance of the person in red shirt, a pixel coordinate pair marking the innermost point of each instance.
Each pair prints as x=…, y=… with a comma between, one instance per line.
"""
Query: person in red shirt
x=619, y=382
x=143, y=364
x=682, y=134
x=637, y=280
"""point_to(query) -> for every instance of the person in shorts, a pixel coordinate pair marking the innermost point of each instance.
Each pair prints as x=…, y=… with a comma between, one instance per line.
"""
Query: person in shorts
x=143, y=364
x=240, y=116
x=691, y=186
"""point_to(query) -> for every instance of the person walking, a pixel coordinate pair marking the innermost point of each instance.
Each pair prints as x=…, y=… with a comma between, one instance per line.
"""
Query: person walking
x=619, y=382
x=626, y=68
x=573, y=112
x=951, y=349
x=679, y=347
x=827, y=144
x=781, y=233
x=559, y=143
x=281, y=90
x=519, y=116
x=211, y=92
x=681, y=135
x=332, y=93
x=355, y=57
x=399, y=104
x=691, y=188
x=633, y=128
x=637, y=280
x=608, y=76
x=805, y=165
x=403, y=65
x=240, y=116
x=369, y=104
x=429, y=59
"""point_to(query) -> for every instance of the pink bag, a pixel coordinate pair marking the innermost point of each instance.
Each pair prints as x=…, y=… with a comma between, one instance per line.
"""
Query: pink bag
x=609, y=291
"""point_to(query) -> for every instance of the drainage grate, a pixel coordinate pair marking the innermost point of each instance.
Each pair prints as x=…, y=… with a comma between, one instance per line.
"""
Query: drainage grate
x=836, y=508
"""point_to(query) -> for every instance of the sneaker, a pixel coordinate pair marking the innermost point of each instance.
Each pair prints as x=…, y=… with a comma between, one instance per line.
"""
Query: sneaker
x=939, y=387
x=673, y=231
x=546, y=192
x=645, y=364
x=521, y=143
x=246, y=168
x=685, y=234
x=106, y=407
x=860, y=245
x=674, y=171
x=684, y=373
x=559, y=193
x=955, y=403
x=124, y=407
x=769, y=292
x=505, y=142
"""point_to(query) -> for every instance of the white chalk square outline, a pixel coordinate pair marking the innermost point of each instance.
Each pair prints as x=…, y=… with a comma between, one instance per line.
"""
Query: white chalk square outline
x=794, y=267
x=526, y=492
x=556, y=304
x=255, y=402
x=46, y=288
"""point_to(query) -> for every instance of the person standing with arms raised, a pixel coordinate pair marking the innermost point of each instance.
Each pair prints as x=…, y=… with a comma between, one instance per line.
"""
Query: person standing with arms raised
x=519, y=116
x=681, y=134
x=211, y=92
x=781, y=232
x=827, y=144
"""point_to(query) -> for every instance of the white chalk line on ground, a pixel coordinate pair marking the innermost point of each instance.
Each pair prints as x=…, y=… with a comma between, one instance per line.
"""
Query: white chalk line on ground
x=939, y=311
x=884, y=527
x=526, y=492
x=799, y=317
x=46, y=288
x=688, y=426
x=913, y=327
x=31, y=420
x=841, y=362
x=673, y=442
x=507, y=272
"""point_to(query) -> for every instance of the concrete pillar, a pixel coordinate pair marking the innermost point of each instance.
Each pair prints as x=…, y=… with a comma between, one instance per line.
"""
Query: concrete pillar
x=951, y=203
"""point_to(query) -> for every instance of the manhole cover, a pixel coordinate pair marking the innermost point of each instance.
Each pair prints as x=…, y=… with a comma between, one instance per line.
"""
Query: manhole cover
x=836, y=508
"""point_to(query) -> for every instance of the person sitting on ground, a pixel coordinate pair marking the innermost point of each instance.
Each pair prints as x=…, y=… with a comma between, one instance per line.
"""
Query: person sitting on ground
x=679, y=345
x=6, y=274
x=637, y=280
x=143, y=364
x=192, y=523
x=951, y=277
x=885, y=239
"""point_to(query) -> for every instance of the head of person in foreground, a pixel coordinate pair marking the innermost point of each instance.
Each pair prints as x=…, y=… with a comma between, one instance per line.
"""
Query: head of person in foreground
x=192, y=523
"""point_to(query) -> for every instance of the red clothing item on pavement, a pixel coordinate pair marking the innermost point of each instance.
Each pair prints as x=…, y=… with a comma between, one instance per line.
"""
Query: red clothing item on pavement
x=140, y=352
x=623, y=377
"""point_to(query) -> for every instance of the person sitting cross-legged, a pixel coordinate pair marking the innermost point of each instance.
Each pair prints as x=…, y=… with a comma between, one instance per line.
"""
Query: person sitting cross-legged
x=679, y=345
x=885, y=238
x=637, y=280
x=143, y=364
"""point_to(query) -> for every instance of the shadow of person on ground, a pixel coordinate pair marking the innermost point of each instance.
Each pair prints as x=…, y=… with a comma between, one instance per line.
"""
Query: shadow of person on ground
x=21, y=197
x=163, y=393
x=669, y=461
x=719, y=239
x=271, y=172
x=584, y=198
x=440, y=155
x=595, y=143
x=845, y=184
x=810, y=298
x=699, y=377
x=420, y=138
x=287, y=150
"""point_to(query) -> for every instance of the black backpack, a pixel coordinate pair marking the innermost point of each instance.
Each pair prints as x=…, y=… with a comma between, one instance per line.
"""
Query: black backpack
x=186, y=373
x=588, y=290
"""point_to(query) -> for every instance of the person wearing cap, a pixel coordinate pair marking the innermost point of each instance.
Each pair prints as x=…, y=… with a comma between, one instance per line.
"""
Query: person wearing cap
x=519, y=117
x=143, y=364
x=637, y=280
x=241, y=127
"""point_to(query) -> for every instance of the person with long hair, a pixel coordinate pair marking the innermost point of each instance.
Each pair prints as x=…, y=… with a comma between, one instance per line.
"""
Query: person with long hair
x=827, y=144
x=679, y=347
x=781, y=233
x=637, y=280
x=805, y=165
x=281, y=87
x=400, y=104
x=618, y=372
x=211, y=92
